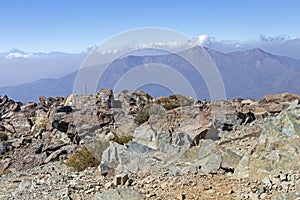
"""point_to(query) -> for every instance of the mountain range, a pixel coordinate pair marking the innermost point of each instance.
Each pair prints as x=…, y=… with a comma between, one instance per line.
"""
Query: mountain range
x=246, y=74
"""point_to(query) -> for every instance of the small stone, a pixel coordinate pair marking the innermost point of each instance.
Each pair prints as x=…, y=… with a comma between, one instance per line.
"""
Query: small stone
x=210, y=191
x=230, y=192
x=193, y=184
x=183, y=196
x=97, y=187
x=285, y=186
x=108, y=185
x=164, y=185
x=150, y=195
x=38, y=148
x=129, y=182
x=17, y=144
x=263, y=196
x=66, y=197
x=90, y=191
x=283, y=177
x=253, y=196
x=155, y=186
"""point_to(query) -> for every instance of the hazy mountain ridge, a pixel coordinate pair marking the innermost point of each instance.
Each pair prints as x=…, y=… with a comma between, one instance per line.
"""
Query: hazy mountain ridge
x=18, y=67
x=254, y=73
x=246, y=74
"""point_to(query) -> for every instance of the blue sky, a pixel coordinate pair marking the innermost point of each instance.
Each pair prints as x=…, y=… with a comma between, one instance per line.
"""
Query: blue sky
x=72, y=26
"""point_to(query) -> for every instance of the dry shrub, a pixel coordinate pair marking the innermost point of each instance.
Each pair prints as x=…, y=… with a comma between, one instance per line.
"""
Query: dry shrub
x=82, y=159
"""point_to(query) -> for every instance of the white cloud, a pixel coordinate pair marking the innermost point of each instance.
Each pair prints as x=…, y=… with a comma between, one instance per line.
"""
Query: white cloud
x=172, y=45
x=275, y=39
x=18, y=55
x=205, y=40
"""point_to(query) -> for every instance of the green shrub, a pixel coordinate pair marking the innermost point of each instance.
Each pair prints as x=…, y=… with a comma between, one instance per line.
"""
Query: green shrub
x=82, y=159
x=174, y=101
x=142, y=117
x=122, y=139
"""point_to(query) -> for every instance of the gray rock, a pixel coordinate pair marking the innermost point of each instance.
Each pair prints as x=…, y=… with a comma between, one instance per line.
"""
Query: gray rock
x=119, y=194
x=157, y=109
x=64, y=150
x=38, y=148
x=21, y=123
x=277, y=150
x=62, y=136
x=209, y=156
x=210, y=133
x=211, y=164
x=121, y=179
x=145, y=135
x=4, y=147
x=24, y=185
x=291, y=195
x=131, y=158
x=104, y=98
x=293, y=105
x=166, y=142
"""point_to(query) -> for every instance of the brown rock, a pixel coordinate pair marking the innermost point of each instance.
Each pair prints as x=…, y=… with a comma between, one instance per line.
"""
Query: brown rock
x=278, y=98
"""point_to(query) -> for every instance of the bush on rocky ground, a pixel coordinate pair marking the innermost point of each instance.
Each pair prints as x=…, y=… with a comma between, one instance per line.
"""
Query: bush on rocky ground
x=122, y=139
x=142, y=117
x=82, y=159
x=174, y=101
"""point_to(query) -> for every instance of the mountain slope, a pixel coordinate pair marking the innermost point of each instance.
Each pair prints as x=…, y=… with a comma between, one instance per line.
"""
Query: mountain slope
x=254, y=73
x=43, y=87
x=246, y=74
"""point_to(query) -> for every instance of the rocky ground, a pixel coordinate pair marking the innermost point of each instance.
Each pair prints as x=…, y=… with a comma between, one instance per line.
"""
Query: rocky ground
x=56, y=181
x=129, y=145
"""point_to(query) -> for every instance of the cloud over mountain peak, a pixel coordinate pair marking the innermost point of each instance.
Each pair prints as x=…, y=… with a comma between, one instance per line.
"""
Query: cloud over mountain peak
x=18, y=55
x=205, y=40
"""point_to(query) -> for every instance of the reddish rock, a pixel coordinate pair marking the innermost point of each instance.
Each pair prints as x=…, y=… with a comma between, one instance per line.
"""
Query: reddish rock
x=278, y=98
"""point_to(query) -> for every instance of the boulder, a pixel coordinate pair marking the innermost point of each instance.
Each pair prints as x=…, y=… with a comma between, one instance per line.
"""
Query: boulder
x=290, y=195
x=9, y=128
x=209, y=157
x=60, y=125
x=28, y=106
x=132, y=158
x=246, y=117
x=137, y=158
x=210, y=133
x=278, y=98
x=21, y=123
x=84, y=116
x=277, y=149
x=4, y=147
x=40, y=121
x=42, y=101
x=63, y=150
x=4, y=100
x=104, y=98
x=65, y=109
x=170, y=142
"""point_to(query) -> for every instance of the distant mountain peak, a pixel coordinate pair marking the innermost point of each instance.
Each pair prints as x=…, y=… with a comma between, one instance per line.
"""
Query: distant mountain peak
x=257, y=50
x=17, y=54
x=15, y=50
x=249, y=73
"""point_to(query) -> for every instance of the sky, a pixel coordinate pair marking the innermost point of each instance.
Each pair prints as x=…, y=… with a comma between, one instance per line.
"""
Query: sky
x=73, y=26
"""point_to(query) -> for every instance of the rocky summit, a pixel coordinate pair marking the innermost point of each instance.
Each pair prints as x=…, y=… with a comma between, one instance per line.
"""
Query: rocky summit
x=133, y=146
